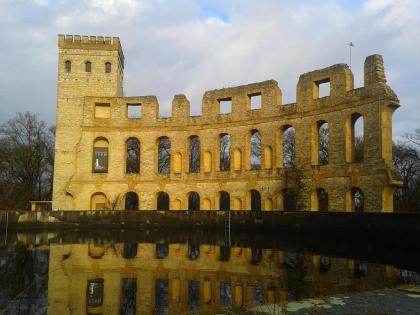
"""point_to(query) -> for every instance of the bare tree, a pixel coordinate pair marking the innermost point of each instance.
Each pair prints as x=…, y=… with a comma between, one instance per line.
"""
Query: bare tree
x=194, y=154
x=358, y=149
x=289, y=147
x=26, y=160
x=133, y=156
x=255, y=150
x=414, y=138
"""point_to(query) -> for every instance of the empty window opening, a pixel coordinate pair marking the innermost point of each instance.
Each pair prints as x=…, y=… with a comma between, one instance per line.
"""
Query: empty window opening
x=324, y=263
x=322, y=197
x=360, y=268
x=162, y=202
x=255, y=150
x=258, y=297
x=108, y=67
x=193, y=251
x=100, y=156
x=133, y=111
x=102, y=110
x=225, y=294
x=256, y=255
x=162, y=296
x=67, y=66
x=288, y=146
x=95, y=293
x=129, y=250
x=162, y=250
x=88, y=66
x=164, y=155
x=128, y=296
x=133, y=156
x=358, y=139
x=131, y=201
x=289, y=200
x=193, y=201
x=357, y=198
x=193, y=294
x=224, y=201
x=255, y=100
x=224, y=253
x=321, y=88
x=225, y=106
x=323, y=142
x=255, y=200
x=194, y=158
x=225, y=146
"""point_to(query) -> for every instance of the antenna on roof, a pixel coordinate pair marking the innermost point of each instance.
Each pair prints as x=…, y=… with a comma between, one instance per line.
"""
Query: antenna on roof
x=350, y=46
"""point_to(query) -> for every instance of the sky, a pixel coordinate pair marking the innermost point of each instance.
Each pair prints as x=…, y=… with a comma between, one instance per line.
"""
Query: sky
x=190, y=46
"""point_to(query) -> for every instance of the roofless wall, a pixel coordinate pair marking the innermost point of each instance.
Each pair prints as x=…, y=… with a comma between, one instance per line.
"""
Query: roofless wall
x=247, y=151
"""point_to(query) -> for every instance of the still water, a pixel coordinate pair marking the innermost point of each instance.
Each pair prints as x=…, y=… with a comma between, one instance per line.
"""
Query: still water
x=188, y=273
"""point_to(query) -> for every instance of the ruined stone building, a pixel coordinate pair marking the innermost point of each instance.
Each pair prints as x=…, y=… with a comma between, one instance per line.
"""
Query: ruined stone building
x=246, y=151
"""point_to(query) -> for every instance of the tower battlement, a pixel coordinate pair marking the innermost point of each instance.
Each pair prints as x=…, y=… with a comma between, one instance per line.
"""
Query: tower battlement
x=91, y=43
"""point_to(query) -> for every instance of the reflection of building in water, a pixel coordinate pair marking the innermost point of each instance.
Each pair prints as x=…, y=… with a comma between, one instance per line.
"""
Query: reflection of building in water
x=175, y=278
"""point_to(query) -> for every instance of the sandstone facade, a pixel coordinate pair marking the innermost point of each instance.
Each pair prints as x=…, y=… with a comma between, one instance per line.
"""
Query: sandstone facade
x=93, y=127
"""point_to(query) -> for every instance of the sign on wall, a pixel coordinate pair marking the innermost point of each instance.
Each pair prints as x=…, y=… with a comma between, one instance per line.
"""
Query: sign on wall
x=95, y=292
x=100, y=160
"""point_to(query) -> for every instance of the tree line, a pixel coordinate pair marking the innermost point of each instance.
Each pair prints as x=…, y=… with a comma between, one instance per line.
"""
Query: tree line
x=27, y=161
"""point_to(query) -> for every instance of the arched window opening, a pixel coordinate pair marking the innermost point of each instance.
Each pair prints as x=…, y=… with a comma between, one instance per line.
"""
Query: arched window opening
x=162, y=250
x=88, y=66
x=194, y=154
x=289, y=200
x=161, y=296
x=224, y=201
x=358, y=139
x=358, y=202
x=132, y=160
x=291, y=260
x=224, y=253
x=193, y=201
x=128, y=296
x=255, y=150
x=131, y=201
x=360, y=268
x=288, y=146
x=99, y=201
x=323, y=143
x=162, y=202
x=193, y=251
x=67, y=66
x=194, y=294
x=164, y=155
x=107, y=67
x=129, y=250
x=324, y=263
x=322, y=197
x=225, y=145
x=256, y=255
x=100, y=155
x=255, y=200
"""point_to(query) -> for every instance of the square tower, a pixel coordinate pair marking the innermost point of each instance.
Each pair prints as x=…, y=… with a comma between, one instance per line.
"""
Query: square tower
x=87, y=66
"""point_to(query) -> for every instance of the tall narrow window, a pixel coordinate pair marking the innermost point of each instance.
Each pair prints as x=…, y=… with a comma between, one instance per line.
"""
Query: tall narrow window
x=193, y=201
x=95, y=294
x=255, y=200
x=224, y=152
x=322, y=197
x=88, y=66
x=323, y=142
x=288, y=146
x=193, y=294
x=132, y=160
x=224, y=201
x=108, y=67
x=131, y=201
x=162, y=202
x=289, y=200
x=162, y=296
x=164, y=155
x=357, y=200
x=67, y=65
x=100, y=156
x=194, y=154
x=255, y=150
x=128, y=296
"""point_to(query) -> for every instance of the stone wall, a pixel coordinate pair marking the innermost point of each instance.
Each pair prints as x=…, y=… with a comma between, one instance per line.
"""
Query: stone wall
x=92, y=112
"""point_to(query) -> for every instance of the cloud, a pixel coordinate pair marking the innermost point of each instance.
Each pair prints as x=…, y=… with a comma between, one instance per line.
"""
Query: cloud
x=189, y=46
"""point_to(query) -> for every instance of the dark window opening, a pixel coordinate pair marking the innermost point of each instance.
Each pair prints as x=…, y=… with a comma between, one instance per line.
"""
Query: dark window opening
x=288, y=146
x=358, y=202
x=108, y=67
x=131, y=201
x=224, y=201
x=322, y=199
x=164, y=155
x=193, y=294
x=255, y=150
x=289, y=200
x=323, y=142
x=225, y=152
x=88, y=66
x=162, y=201
x=193, y=201
x=161, y=296
x=129, y=292
x=162, y=250
x=225, y=294
x=133, y=156
x=194, y=154
x=130, y=250
x=67, y=65
x=255, y=200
